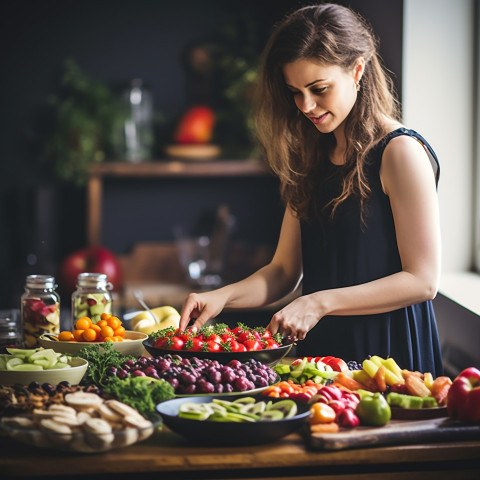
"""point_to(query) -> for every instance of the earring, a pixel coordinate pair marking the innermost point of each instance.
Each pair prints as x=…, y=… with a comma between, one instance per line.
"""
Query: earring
x=357, y=86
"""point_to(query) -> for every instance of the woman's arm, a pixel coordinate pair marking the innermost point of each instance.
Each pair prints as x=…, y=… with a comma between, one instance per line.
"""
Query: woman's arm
x=270, y=283
x=408, y=180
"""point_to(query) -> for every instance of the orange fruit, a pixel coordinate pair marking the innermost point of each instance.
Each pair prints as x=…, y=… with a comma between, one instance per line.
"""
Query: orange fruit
x=83, y=323
x=107, y=331
x=108, y=339
x=77, y=334
x=114, y=322
x=89, y=335
x=65, y=336
x=117, y=338
x=105, y=316
x=119, y=332
x=95, y=327
x=102, y=323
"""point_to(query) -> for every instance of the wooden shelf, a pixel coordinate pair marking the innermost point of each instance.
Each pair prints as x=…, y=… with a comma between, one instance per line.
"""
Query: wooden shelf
x=179, y=168
x=159, y=169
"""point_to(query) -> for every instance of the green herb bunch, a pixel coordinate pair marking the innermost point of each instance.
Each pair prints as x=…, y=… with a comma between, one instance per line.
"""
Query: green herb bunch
x=141, y=393
x=100, y=362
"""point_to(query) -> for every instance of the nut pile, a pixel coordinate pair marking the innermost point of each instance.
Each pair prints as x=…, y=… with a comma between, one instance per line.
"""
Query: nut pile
x=24, y=399
x=85, y=423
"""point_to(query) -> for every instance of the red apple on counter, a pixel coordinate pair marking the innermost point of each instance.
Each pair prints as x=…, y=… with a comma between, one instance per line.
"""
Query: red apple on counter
x=195, y=126
x=90, y=259
x=463, y=399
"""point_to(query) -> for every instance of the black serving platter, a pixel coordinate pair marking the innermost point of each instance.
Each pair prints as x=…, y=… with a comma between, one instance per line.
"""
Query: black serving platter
x=269, y=356
x=230, y=433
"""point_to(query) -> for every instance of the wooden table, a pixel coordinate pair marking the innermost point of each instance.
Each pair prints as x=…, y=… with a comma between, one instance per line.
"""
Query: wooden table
x=166, y=455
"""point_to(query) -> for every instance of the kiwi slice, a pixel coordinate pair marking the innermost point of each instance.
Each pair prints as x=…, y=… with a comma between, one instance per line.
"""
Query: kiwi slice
x=271, y=415
x=287, y=407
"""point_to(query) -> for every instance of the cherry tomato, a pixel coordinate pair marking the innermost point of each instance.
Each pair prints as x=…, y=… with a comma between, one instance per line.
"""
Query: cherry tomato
x=213, y=346
x=270, y=343
x=161, y=342
x=321, y=413
x=194, y=345
x=252, y=345
x=243, y=336
x=175, y=343
x=214, y=338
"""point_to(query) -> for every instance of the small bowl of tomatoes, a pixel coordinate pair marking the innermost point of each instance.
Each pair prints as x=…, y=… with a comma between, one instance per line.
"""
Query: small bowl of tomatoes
x=220, y=342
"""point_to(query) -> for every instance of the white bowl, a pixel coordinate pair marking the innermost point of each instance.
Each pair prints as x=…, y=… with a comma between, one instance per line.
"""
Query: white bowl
x=54, y=376
x=132, y=345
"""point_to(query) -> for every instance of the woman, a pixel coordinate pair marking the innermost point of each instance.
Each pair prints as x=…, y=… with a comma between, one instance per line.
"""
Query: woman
x=361, y=225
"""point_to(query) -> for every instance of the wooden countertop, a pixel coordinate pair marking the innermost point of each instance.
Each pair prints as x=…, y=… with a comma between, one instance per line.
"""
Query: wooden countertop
x=167, y=455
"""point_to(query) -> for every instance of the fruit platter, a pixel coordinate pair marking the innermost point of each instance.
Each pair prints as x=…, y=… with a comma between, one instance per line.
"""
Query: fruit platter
x=220, y=342
x=187, y=383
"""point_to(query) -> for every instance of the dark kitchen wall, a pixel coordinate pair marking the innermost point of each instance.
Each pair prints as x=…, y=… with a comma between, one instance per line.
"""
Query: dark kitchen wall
x=43, y=219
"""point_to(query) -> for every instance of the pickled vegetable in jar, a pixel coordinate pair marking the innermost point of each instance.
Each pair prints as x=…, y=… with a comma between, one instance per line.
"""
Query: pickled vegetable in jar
x=92, y=297
x=40, y=307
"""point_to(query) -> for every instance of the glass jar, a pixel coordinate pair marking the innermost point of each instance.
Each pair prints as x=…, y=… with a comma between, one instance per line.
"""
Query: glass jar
x=10, y=329
x=92, y=297
x=40, y=307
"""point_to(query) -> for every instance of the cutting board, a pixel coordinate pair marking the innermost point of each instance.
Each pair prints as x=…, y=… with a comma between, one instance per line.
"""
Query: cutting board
x=396, y=432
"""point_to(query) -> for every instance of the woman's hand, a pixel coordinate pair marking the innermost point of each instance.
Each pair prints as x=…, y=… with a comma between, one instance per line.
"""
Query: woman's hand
x=297, y=318
x=201, y=307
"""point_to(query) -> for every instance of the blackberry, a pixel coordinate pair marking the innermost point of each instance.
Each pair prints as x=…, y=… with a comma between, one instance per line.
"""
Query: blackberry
x=353, y=365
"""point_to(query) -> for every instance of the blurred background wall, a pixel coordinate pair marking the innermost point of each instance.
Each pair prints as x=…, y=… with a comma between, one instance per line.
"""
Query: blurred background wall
x=42, y=217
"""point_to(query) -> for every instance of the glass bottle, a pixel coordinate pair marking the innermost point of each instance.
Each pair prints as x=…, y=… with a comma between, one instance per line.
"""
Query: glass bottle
x=40, y=307
x=138, y=128
x=92, y=297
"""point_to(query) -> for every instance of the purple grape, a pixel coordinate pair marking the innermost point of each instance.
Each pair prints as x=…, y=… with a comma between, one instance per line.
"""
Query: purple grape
x=189, y=389
x=173, y=382
x=122, y=374
x=234, y=364
x=204, y=387
x=138, y=373
x=218, y=388
x=227, y=388
x=186, y=378
x=214, y=376
x=227, y=374
x=261, y=382
x=241, y=384
x=149, y=371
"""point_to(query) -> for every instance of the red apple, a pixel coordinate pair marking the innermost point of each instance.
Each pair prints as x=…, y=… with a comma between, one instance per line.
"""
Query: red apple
x=90, y=259
x=195, y=126
x=463, y=400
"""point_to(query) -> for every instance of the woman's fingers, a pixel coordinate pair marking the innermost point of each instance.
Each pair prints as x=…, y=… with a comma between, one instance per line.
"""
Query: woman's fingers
x=189, y=309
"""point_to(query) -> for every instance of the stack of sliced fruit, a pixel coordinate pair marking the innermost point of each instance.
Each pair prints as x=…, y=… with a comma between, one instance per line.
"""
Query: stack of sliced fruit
x=33, y=359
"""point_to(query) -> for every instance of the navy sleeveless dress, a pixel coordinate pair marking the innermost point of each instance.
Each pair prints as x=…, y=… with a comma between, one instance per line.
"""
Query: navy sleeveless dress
x=341, y=252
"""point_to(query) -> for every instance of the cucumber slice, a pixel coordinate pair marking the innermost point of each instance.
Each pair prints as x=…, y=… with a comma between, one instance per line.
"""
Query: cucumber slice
x=13, y=362
x=59, y=365
x=43, y=362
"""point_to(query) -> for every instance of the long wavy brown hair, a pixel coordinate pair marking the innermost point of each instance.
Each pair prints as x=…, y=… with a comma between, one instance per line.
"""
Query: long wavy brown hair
x=296, y=151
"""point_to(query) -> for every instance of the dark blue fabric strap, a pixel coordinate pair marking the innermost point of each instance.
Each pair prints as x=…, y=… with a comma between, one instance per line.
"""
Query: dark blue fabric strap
x=429, y=150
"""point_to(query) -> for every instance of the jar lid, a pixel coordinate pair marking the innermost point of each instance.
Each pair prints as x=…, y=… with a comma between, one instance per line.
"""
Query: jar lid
x=40, y=281
x=98, y=280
